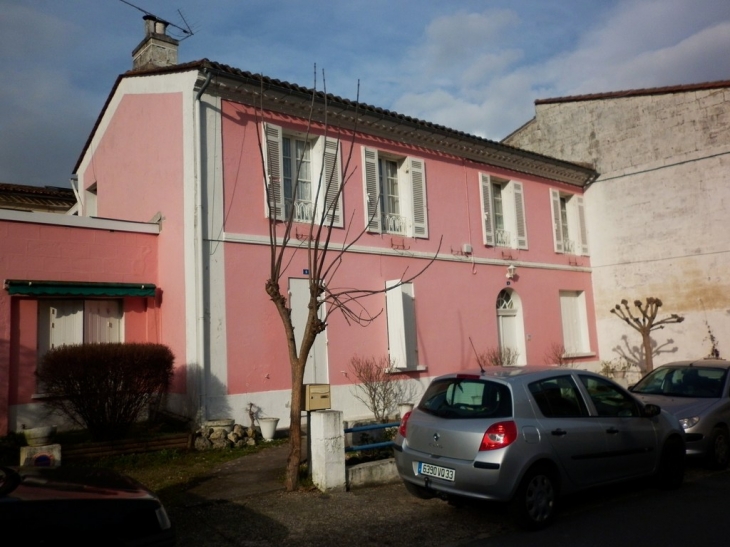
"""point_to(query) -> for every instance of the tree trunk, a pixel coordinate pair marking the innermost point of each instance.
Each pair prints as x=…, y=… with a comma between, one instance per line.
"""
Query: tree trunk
x=295, y=428
x=648, y=352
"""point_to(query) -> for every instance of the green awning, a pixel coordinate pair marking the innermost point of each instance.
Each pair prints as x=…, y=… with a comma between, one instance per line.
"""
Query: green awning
x=72, y=288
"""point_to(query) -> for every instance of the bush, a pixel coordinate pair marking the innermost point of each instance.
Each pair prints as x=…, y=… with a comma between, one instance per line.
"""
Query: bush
x=105, y=387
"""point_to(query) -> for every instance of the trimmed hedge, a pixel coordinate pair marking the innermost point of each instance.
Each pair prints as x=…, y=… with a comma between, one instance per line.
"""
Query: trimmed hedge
x=105, y=387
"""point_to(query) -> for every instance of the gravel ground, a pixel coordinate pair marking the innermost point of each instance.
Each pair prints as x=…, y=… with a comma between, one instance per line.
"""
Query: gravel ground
x=382, y=515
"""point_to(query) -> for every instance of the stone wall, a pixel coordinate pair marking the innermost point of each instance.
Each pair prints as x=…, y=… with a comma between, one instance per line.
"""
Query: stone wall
x=657, y=214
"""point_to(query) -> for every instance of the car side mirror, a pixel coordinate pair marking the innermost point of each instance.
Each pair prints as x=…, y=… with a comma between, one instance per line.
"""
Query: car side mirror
x=652, y=410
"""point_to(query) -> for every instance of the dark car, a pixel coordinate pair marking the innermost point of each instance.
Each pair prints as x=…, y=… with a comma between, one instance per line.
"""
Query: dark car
x=698, y=394
x=76, y=506
x=526, y=435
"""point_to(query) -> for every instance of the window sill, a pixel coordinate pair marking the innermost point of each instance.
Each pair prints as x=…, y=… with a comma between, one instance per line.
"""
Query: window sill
x=419, y=368
x=578, y=355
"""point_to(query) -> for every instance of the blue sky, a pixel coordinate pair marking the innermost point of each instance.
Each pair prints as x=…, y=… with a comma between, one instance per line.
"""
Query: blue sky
x=475, y=66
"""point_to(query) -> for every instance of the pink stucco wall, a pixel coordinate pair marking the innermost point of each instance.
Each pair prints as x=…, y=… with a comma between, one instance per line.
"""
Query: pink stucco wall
x=138, y=167
x=59, y=253
x=455, y=301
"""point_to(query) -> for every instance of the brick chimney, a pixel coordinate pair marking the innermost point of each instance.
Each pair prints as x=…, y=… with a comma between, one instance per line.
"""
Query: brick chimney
x=157, y=49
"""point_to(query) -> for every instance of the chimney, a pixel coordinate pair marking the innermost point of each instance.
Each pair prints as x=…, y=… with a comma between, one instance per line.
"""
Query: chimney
x=157, y=50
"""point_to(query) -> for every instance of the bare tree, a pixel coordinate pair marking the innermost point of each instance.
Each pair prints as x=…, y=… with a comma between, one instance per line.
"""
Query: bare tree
x=498, y=357
x=645, y=323
x=381, y=388
x=556, y=355
x=324, y=258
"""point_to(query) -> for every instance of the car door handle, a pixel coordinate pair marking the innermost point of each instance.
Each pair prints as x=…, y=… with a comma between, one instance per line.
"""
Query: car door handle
x=558, y=432
x=612, y=431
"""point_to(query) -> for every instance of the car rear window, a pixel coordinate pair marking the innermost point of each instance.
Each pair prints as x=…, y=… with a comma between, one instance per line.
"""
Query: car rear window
x=467, y=398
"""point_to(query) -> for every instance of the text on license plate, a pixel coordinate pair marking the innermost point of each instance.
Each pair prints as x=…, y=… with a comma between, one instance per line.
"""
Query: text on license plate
x=436, y=471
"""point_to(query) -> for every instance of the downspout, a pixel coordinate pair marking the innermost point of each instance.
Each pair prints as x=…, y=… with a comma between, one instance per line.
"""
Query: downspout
x=199, y=309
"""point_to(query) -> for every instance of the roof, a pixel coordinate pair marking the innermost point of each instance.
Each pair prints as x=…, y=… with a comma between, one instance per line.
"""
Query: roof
x=636, y=92
x=36, y=198
x=274, y=94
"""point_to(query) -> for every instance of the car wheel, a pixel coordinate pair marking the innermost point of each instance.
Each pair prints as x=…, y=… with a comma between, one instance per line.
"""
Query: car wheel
x=534, y=503
x=419, y=491
x=670, y=474
x=718, y=455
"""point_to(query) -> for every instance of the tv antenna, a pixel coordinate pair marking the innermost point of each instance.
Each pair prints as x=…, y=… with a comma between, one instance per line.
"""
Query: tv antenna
x=187, y=32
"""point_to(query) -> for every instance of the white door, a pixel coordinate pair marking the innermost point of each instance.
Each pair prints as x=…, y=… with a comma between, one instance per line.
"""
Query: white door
x=315, y=371
x=510, y=326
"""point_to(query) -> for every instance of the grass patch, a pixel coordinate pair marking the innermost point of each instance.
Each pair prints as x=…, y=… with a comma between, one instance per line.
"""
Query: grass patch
x=171, y=472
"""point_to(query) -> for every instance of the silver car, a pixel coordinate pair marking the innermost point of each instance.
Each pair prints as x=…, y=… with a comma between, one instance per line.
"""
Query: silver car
x=526, y=435
x=697, y=393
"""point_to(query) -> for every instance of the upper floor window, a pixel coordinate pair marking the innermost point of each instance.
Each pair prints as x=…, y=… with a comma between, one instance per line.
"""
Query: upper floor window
x=569, y=225
x=395, y=194
x=303, y=177
x=503, y=212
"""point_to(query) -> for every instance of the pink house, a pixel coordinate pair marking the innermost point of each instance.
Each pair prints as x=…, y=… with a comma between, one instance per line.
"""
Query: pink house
x=176, y=151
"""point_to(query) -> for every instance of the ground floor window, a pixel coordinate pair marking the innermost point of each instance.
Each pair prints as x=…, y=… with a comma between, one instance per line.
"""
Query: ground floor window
x=575, y=322
x=64, y=322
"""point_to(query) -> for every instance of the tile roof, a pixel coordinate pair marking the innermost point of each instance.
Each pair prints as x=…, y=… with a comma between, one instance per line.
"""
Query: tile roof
x=636, y=92
x=449, y=140
x=36, y=198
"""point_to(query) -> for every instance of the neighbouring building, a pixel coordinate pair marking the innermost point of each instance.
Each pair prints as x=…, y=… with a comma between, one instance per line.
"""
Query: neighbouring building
x=175, y=159
x=656, y=214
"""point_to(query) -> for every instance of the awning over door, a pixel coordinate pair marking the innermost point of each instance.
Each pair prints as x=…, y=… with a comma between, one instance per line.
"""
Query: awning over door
x=72, y=288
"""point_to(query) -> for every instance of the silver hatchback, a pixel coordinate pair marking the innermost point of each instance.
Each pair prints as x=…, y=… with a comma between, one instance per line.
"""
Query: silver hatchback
x=526, y=435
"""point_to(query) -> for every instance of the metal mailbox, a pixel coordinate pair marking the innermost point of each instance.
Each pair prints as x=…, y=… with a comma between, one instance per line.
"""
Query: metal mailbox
x=317, y=397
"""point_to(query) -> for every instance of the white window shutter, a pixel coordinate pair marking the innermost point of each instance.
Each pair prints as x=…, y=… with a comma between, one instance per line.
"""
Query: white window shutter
x=520, y=223
x=582, y=228
x=420, y=208
x=485, y=191
x=401, y=313
x=372, y=190
x=102, y=321
x=557, y=226
x=333, y=182
x=274, y=175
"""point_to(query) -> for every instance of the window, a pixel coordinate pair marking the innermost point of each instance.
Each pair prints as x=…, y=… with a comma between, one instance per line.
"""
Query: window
x=609, y=400
x=62, y=322
x=575, y=322
x=401, y=314
x=395, y=194
x=569, y=225
x=457, y=398
x=503, y=212
x=558, y=397
x=303, y=177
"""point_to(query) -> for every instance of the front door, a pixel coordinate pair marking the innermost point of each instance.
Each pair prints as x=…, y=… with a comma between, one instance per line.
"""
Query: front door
x=315, y=371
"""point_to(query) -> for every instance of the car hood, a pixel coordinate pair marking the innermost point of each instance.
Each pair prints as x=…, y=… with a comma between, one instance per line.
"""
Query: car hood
x=37, y=484
x=681, y=407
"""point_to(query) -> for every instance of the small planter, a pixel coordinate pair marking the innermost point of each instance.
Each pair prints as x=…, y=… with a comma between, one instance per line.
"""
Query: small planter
x=268, y=427
x=40, y=436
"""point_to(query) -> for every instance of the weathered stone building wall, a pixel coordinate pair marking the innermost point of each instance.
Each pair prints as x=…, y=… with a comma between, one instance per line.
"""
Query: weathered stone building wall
x=657, y=215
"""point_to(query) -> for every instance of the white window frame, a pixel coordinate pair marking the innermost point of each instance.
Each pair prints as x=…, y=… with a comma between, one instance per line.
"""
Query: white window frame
x=401, y=315
x=575, y=242
x=574, y=319
x=412, y=195
x=325, y=175
x=514, y=233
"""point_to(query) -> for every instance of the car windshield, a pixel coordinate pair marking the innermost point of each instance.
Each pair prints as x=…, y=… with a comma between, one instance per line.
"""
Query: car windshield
x=467, y=398
x=689, y=381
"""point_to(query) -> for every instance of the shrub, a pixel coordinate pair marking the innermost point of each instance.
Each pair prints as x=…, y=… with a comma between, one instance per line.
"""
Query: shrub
x=105, y=387
x=498, y=357
x=381, y=389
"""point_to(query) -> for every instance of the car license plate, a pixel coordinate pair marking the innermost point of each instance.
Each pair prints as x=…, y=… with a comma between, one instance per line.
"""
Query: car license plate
x=436, y=471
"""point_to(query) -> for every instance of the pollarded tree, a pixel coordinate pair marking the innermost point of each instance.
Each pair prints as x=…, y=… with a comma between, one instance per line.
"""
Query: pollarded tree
x=645, y=323
x=324, y=257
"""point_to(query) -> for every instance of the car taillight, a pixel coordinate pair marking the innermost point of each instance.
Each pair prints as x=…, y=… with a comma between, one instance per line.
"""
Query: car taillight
x=403, y=423
x=499, y=435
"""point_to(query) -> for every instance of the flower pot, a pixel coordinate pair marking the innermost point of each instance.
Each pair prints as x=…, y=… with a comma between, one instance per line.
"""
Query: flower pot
x=268, y=427
x=39, y=436
x=404, y=408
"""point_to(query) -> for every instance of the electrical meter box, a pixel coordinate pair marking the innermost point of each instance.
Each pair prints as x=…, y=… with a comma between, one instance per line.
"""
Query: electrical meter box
x=317, y=397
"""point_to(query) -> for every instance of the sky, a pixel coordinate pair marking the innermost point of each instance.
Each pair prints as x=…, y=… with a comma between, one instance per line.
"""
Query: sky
x=472, y=65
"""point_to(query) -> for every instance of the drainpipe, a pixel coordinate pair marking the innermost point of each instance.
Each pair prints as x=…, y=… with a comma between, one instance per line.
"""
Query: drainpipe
x=198, y=218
